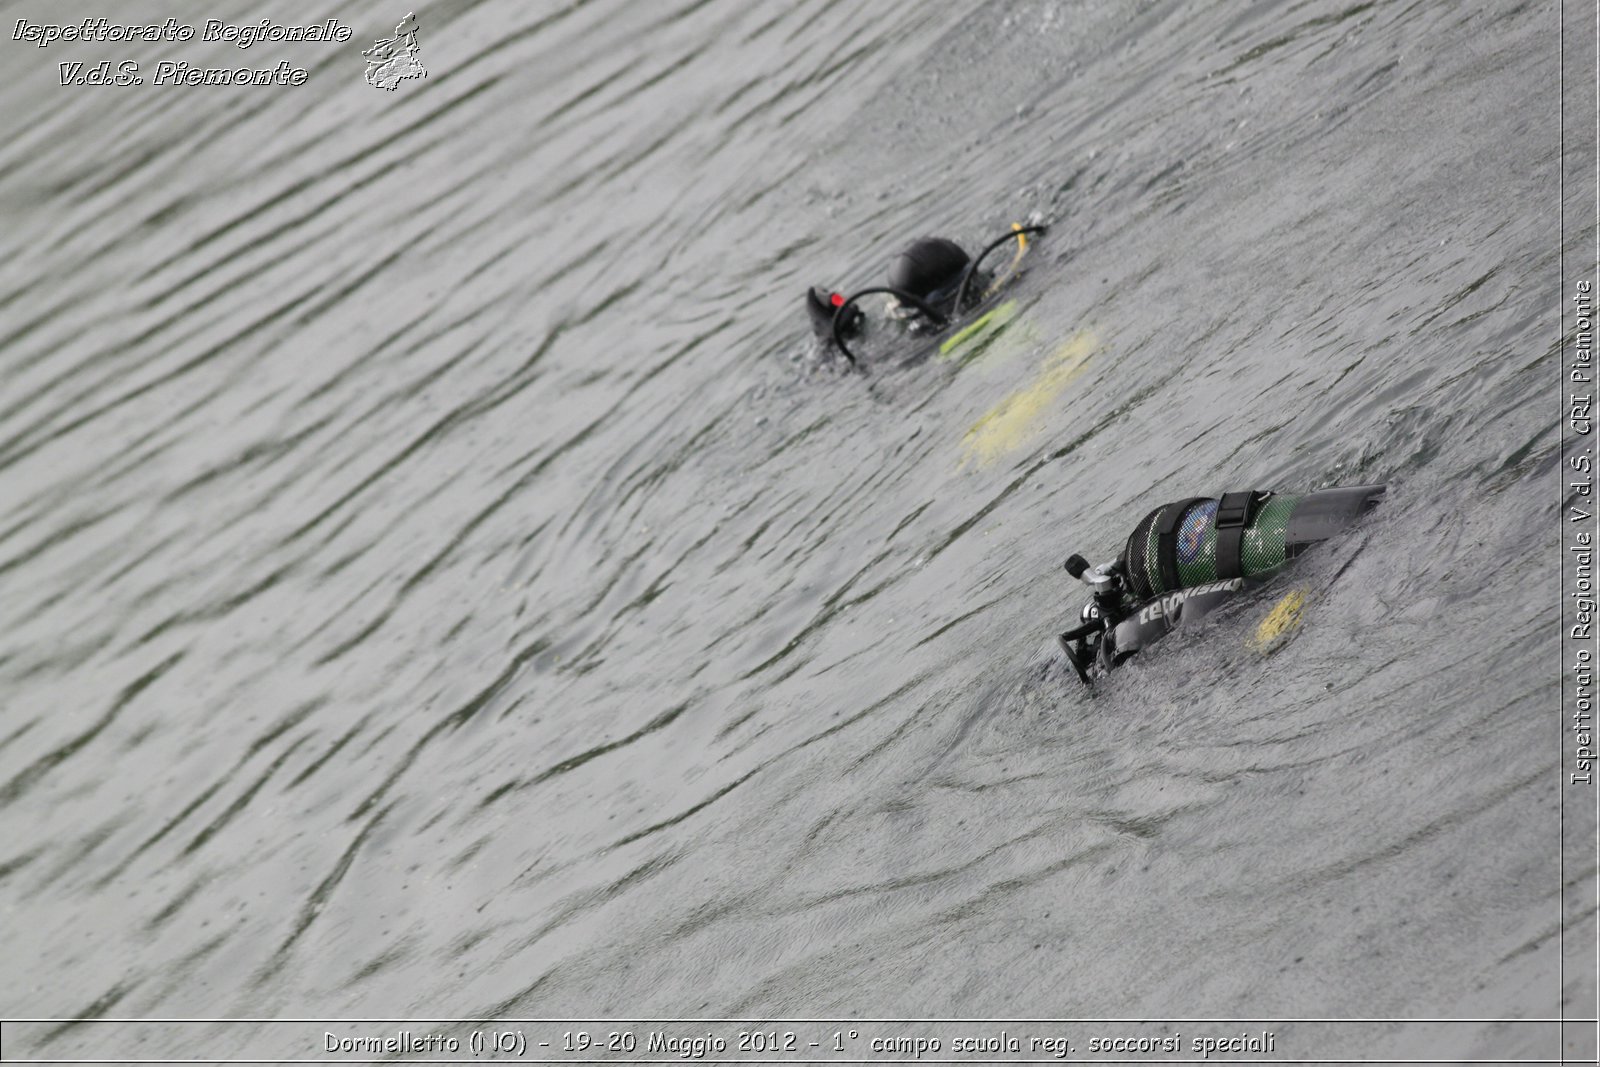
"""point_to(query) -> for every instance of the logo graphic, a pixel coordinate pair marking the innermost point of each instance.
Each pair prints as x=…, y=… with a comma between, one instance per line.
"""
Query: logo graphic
x=1171, y=607
x=393, y=60
x=1192, y=534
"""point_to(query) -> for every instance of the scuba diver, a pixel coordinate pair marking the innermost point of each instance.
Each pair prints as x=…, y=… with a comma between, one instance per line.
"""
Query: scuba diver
x=931, y=283
x=1186, y=559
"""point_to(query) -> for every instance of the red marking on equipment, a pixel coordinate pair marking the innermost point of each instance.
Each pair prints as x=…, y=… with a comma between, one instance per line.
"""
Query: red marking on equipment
x=837, y=299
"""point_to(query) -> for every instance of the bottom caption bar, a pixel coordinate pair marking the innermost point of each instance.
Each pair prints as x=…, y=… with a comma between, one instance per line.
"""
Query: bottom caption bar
x=797, y=1041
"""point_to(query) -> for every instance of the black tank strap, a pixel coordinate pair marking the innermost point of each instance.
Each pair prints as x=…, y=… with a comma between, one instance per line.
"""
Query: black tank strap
x=1234, y=512
x=1167, y=541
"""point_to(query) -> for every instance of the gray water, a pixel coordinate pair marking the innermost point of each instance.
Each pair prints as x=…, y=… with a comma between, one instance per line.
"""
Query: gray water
x=437, y=577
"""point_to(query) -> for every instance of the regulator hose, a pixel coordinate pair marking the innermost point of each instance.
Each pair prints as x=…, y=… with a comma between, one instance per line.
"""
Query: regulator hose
x=1017, y=233
x=899, y=294
x=840, y=316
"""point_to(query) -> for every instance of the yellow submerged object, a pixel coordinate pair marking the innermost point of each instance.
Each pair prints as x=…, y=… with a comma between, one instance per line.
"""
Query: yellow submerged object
x=1281, y=621
x=985, y=327
x=1016, y=421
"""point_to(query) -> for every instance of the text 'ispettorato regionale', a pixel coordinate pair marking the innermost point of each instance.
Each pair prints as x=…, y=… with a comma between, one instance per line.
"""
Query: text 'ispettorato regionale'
x=243, y=34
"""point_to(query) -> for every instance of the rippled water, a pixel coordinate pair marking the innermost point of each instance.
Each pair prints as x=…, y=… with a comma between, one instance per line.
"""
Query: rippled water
x=436, y=575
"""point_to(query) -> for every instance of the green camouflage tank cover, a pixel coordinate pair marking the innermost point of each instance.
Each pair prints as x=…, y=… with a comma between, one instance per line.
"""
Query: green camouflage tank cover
x=1262, y=550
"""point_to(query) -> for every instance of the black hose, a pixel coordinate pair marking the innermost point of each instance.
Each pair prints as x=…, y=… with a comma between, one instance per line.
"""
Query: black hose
x=938, y=320
x=1088, y=629
x=898, y=294
x=972, y=268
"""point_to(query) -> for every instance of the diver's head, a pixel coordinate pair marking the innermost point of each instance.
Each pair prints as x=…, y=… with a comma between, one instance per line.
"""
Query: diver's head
x=930, y=269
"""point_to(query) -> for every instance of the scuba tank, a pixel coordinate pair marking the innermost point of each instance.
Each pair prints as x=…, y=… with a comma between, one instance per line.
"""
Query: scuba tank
x=1187, y=558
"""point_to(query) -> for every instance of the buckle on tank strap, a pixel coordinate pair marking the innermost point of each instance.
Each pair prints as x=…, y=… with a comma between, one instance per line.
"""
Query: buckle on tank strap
x=1233, y=510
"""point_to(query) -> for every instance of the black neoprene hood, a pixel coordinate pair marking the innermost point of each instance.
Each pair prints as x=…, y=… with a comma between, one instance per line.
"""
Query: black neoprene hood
x=927, y=266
